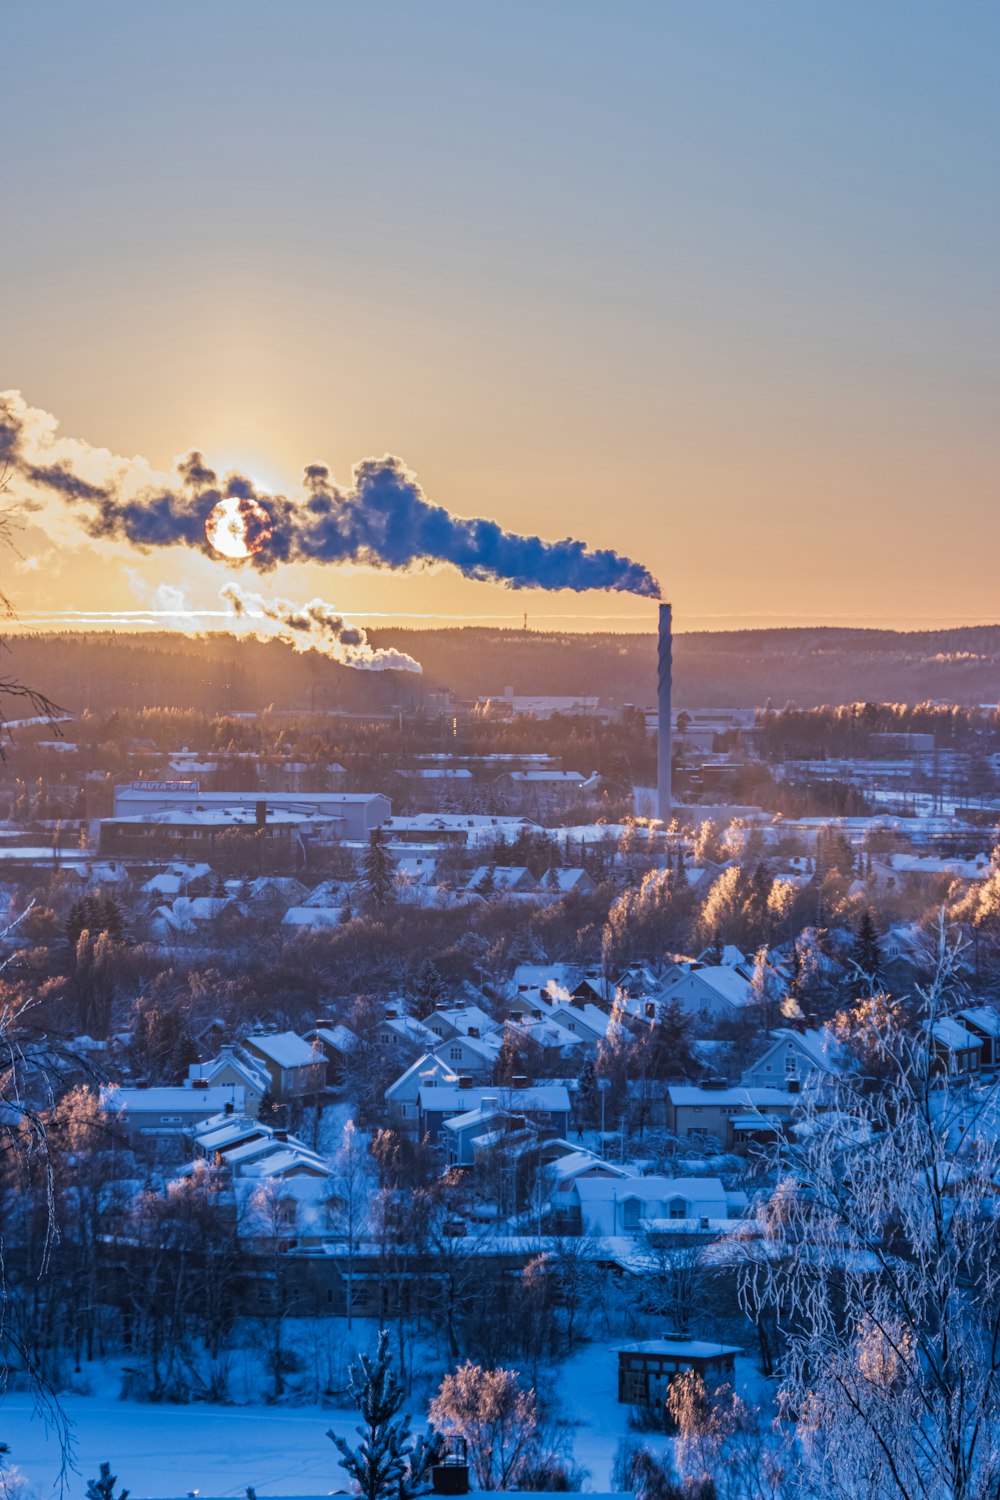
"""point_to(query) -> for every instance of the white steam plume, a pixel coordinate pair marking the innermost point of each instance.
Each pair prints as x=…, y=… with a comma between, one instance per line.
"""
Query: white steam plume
x=315, y=626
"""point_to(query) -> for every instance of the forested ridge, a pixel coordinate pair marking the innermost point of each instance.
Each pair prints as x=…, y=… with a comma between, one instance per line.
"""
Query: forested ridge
x=218, y=672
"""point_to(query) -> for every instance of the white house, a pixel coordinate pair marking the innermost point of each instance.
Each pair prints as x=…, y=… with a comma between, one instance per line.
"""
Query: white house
x=716, y=990
x=401, y=1096
x=230, y=1068
x=794, y=1056
x=611, y=1207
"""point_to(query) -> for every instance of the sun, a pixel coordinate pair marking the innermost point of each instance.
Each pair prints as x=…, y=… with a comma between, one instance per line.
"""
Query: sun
x=237, y=527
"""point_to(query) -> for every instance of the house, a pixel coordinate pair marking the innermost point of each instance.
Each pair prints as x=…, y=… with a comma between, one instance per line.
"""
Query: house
x=955, y=1051
x=542, y=793
x=564, y=881
x=718, y=991
x=162, y=1113
x=489, y=1124
x=336, y=1042
x=608, y=1207
x=546, y=1105
x=401, y=1097
x=730, y=1115
x=560, y=1176
x=404, y=1032
x=288, y=1213
x=545, y=1037
x=505, y=880
x=295, y=1069
x=177, y=878
x=276, y=893
x=460, y=1020
x=213, y=1137
x=230, y=1068
x=470, y=1054
x=645, y=1370
x=794, y=1056
x=984, y=1022
x=188, y=915
x=586, y=1021
x=312, y=918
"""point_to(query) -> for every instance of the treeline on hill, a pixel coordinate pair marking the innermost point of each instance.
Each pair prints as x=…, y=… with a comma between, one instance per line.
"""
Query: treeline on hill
x=218, y=672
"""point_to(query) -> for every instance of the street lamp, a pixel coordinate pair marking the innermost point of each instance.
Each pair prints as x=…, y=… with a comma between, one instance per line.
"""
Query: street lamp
x=603, y=1084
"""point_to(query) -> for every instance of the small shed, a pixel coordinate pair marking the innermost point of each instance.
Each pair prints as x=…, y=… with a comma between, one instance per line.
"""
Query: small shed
x=645, y=1370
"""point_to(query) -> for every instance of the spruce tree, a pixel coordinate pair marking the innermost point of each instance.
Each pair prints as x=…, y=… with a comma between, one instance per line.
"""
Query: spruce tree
x=389, y=1463
x=378, y=873
x=587, y=1093
x=867, y=953
x=104, y=1487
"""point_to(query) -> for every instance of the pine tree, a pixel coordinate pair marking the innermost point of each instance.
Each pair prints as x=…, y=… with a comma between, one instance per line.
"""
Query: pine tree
x=389, y=1463
x=429, y=988
x=867, y=953
x=104, y=1488
x=487, y=885
x=378, y=874
x=587, y=1093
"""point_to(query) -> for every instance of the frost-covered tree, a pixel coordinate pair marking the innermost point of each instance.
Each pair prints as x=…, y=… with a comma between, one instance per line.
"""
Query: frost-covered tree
x=880, y=1268
x=389, y=1463
x=497, y=1418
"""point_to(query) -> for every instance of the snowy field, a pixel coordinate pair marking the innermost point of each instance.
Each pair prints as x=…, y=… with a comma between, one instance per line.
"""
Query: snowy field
x=280, y=1450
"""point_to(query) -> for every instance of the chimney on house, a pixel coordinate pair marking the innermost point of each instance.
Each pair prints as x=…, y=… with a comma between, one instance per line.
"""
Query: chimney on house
x=260, y=813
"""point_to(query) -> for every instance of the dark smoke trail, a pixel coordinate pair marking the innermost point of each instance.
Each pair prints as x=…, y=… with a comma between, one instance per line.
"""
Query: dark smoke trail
x=383, y=521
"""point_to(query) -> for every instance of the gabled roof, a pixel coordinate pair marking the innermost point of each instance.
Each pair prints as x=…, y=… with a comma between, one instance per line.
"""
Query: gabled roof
x=285, y=1048
x=427, y=1063
x=953, y=1036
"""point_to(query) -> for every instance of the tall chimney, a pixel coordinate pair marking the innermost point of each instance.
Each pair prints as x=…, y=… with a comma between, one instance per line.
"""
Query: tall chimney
x=664, y=798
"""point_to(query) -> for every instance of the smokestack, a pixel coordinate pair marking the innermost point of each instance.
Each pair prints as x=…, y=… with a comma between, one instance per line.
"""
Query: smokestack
x=664, y=798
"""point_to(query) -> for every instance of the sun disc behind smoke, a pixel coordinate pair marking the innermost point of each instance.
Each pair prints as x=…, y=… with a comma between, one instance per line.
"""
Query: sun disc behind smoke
x=237, y=528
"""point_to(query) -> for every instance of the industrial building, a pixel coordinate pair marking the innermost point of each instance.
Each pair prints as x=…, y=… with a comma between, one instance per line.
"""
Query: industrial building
x=168, y=820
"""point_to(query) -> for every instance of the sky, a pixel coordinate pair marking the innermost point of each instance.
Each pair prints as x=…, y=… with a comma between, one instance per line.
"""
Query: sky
x=711, y=284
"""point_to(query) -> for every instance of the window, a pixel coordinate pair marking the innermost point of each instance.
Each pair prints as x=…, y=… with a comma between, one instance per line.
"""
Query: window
x=679, y=1208
x=791, y=1065
x=630, y=1213
x=170, y=1119
x=455, y=1054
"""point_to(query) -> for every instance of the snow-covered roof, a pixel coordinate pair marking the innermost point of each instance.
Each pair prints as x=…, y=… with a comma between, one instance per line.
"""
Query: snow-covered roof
x=312, y=917
x=576, y=1162
x=552, y=1097
x=728, y=983
x=954, y=1036
x=175, y=878
x=285, y=1048
x=241, y=1065
x=681, y=1348
x=983, y=1016
x=340, y=1038
x=171, y=1099
x=427, y=1067
x=685, y=1094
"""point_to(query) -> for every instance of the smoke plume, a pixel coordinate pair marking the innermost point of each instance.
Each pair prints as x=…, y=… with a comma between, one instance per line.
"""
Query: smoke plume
x=314, y=627
x=383, y=520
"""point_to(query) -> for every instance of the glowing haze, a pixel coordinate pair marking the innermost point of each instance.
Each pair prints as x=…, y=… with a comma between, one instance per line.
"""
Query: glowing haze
x=710, y=286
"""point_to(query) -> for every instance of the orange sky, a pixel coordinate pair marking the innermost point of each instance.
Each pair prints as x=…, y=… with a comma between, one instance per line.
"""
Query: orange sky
x=715, y=287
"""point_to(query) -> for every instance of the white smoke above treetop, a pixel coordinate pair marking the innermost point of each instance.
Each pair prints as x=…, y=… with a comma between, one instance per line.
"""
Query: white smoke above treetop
x=315, y=626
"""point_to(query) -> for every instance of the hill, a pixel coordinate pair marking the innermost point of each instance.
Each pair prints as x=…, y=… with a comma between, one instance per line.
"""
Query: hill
x=101, y=672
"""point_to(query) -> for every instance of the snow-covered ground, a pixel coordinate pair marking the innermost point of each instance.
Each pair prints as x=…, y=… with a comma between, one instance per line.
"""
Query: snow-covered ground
x=280, y=1450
